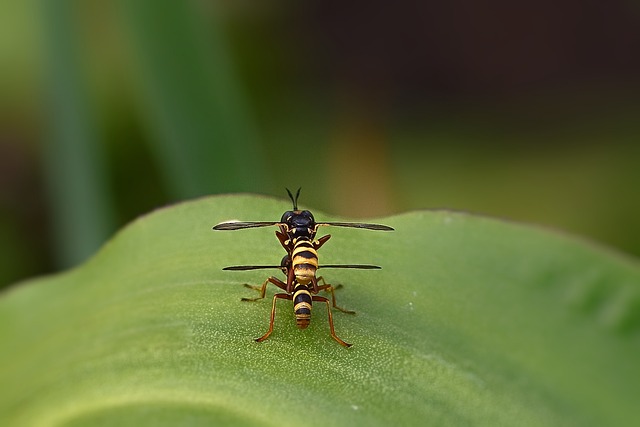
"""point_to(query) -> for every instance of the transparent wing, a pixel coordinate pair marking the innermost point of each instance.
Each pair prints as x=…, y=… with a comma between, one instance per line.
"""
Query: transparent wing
x=237, y=225
x=361, y=266
x=251, y=267
x=379, y=227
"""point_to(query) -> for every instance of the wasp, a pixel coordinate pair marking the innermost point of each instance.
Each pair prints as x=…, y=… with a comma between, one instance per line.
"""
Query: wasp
x=297, y=235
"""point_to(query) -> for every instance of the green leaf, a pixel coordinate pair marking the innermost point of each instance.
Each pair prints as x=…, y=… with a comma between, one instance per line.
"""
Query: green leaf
x=204, y=135
x=74, y=159
x=471, y=321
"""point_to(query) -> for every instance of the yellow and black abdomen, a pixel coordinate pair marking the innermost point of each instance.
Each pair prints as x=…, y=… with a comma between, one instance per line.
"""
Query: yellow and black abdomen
x=304, y=260
x=302, y=305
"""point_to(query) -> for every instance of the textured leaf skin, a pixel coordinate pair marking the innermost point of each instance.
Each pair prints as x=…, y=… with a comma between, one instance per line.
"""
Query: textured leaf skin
x=471, y=321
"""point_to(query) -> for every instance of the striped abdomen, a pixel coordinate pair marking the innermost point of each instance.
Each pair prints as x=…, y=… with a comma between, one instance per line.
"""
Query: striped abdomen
x=304, y=260
x=302, y=305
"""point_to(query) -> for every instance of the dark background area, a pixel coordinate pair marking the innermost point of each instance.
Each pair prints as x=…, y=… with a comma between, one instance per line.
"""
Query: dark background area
x=111, y=109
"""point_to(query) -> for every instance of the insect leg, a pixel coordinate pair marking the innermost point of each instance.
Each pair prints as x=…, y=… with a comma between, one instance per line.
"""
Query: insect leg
x=331, y=289
x=273, y=315
x=284, y=239
x=263, y=288
x=321, y=241
x=333, y=332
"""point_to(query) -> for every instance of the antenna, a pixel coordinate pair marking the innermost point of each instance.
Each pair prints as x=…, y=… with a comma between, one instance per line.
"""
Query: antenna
x=294, y=199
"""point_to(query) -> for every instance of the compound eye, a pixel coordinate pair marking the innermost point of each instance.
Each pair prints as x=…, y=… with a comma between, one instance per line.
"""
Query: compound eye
x=286, y=216
x=286, y=262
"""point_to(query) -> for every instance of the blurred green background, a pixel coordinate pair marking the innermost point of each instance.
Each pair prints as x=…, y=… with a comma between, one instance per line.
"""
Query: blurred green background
x=111, y=109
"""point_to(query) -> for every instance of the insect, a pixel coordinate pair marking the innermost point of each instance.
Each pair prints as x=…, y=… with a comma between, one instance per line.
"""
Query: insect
x=297, y=235
x=297, y=223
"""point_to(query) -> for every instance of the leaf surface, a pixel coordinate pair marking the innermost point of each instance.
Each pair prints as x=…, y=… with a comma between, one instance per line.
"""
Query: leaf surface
x=471, y=321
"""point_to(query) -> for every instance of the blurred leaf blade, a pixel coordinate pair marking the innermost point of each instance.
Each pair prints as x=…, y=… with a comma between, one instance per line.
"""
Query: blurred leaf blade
x=470, y=321
x=82, y=209
x=204, y=136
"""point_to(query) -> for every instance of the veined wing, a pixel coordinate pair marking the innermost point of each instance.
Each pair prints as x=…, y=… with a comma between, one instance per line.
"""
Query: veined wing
x=378, y=227
x=238, y=225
